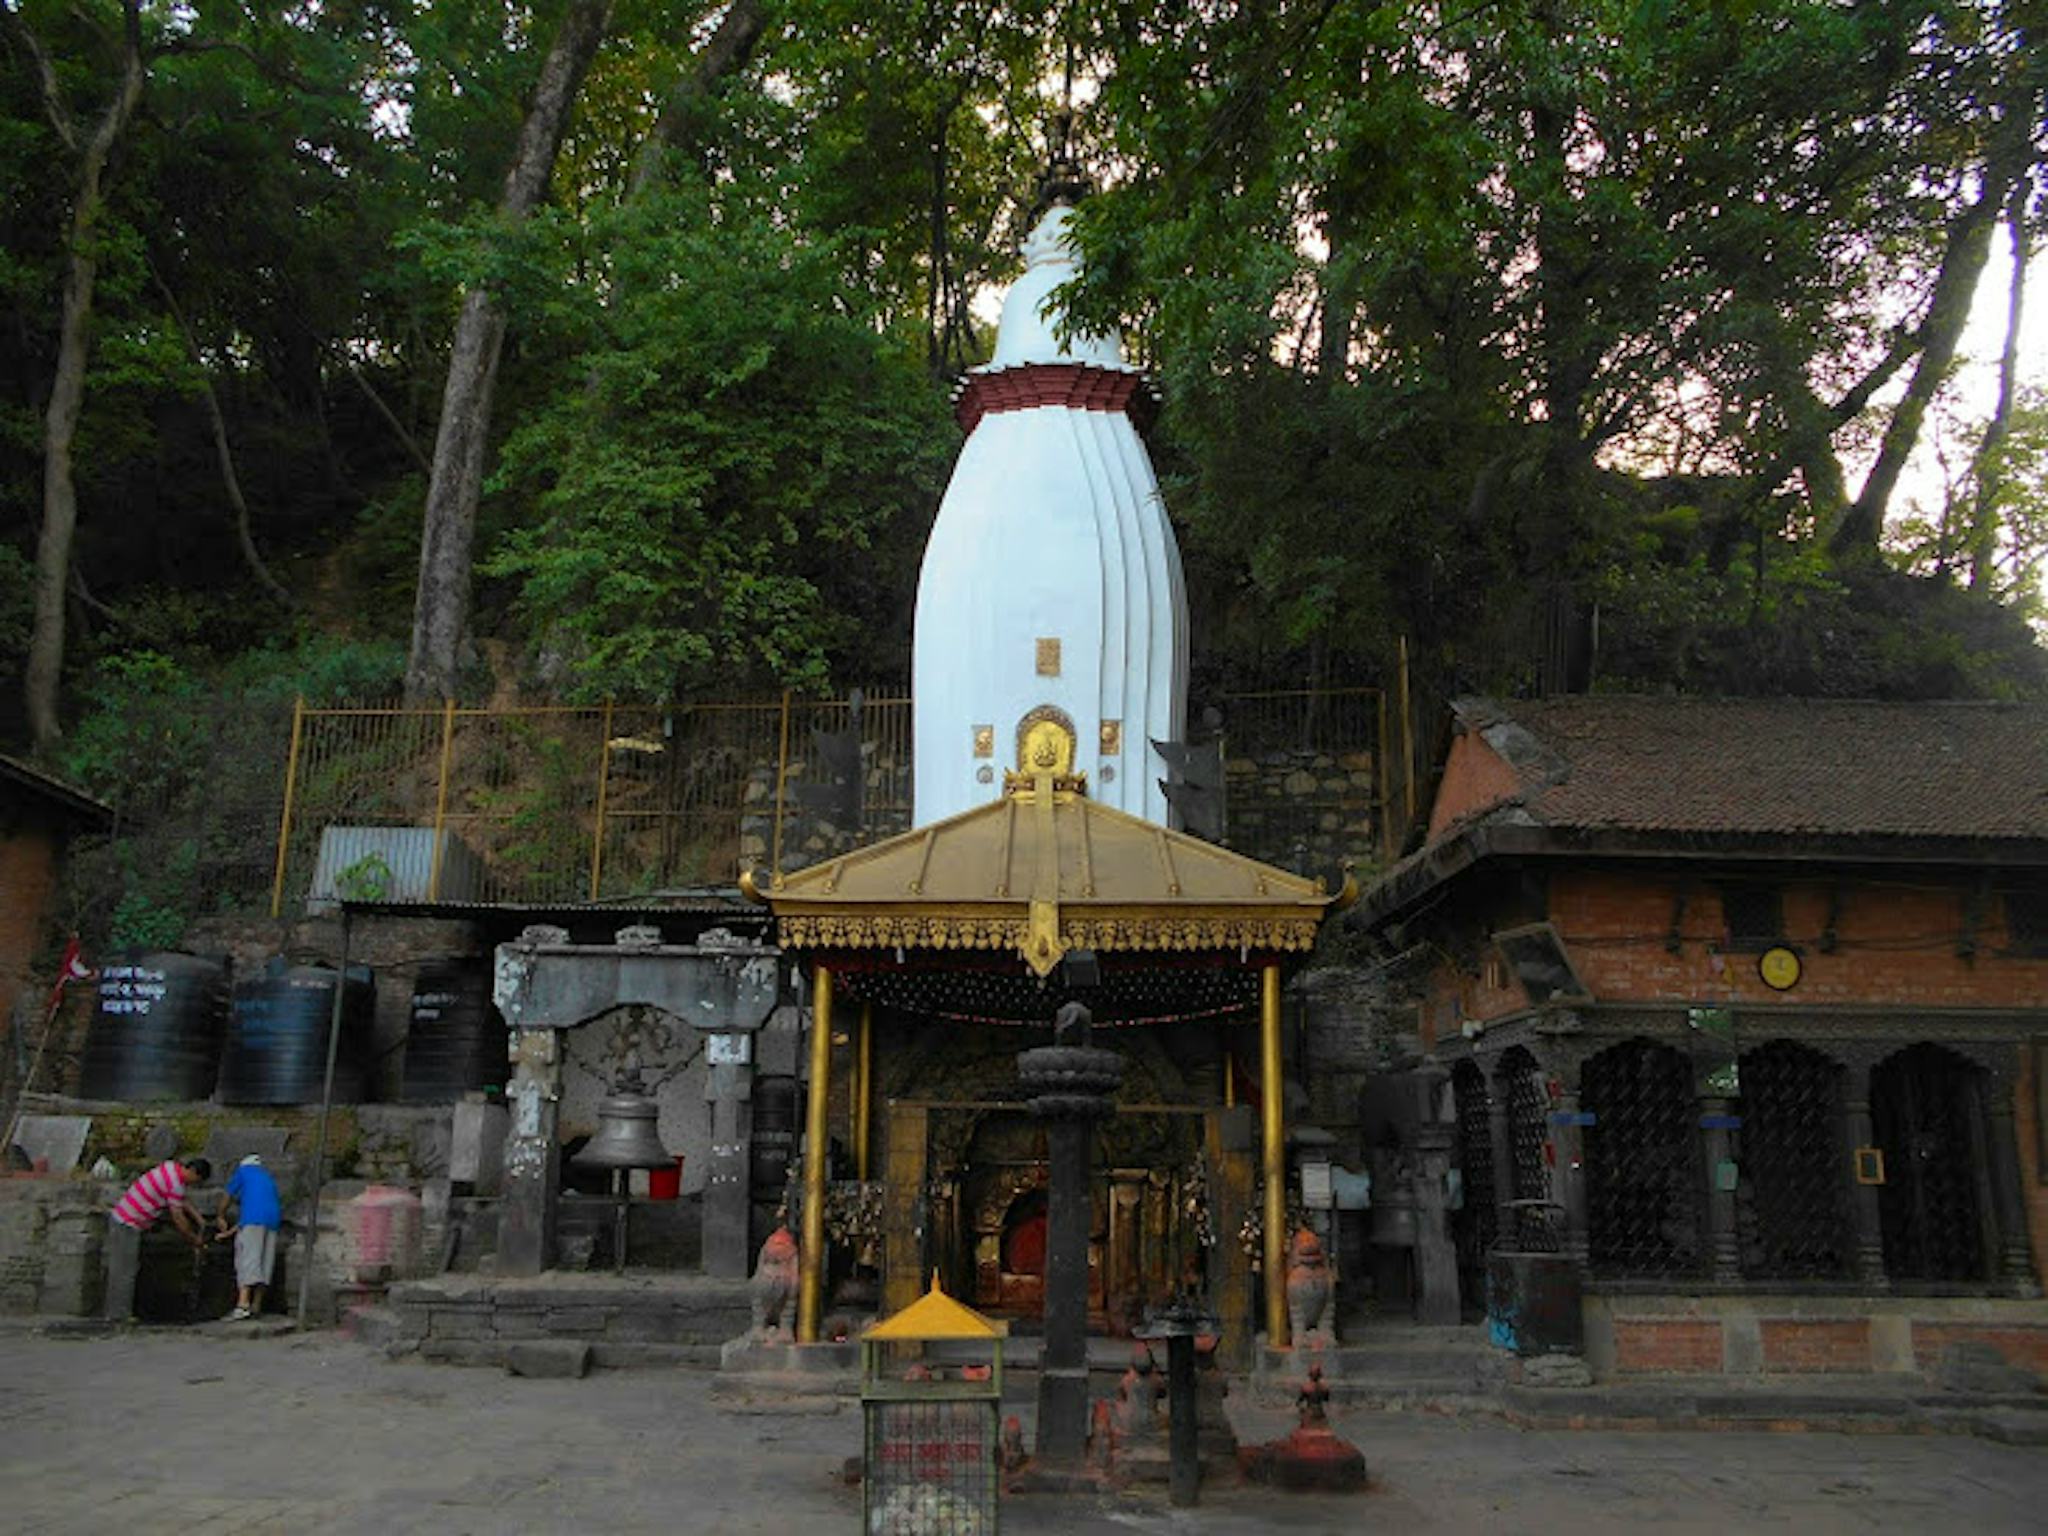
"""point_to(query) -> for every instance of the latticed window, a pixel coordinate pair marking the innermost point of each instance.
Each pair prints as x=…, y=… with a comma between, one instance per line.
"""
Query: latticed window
x=1644, y=1187
x=1519, y=1078
x=1472, y=1227
x=1755, y=915
x=1790, y=1204
x=1922, y=1102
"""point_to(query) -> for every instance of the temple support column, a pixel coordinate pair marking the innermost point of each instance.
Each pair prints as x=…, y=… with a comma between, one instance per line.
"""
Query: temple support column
x=864, y=1091
x=1724, y=1246
x=1273, y=1148
x=1227, y=1142
x=810, y=1303
x=1864, y=1199
x=2014, y=1260
x=1568, y=1177
x=533, y=1156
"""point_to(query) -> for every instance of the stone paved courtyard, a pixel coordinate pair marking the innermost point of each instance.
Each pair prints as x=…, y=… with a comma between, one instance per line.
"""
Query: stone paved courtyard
x=174, y=1431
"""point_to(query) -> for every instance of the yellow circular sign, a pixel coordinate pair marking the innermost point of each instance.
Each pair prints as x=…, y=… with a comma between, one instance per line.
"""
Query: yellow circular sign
x=1779, y=968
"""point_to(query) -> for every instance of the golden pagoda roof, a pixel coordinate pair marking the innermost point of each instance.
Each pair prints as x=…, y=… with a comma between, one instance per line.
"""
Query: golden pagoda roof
x=935, y=1315
x=1042, y=871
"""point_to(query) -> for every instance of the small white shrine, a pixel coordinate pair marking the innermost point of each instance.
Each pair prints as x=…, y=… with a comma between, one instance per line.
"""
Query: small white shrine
x=1052, y=615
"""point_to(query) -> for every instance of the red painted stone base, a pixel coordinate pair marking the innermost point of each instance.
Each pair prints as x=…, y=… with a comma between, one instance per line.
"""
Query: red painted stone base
x=1313, y=1459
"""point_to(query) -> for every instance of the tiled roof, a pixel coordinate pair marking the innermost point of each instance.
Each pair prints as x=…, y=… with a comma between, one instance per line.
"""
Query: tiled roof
x=29, y=781
x=1808, y=767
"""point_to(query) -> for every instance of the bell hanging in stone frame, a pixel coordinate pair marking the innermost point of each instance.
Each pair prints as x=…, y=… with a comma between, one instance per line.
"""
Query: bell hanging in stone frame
x=626, y=1135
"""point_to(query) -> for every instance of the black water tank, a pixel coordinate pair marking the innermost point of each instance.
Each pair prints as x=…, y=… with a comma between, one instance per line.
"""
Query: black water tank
x=157, y=1027
x=455, y=1039
x=277, y=1036
x=774, y=1141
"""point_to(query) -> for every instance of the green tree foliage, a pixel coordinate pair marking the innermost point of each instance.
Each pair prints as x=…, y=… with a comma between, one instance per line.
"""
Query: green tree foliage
x=724, y=491
x=1472, y=321
x=193, y=757
x=1501, y=286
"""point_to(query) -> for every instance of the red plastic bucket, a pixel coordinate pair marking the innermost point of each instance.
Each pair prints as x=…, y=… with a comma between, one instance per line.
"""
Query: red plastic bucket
x=665, y=1183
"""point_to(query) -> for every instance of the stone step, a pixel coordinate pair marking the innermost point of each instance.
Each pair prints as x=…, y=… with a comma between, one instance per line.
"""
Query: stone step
x=1449, y=1369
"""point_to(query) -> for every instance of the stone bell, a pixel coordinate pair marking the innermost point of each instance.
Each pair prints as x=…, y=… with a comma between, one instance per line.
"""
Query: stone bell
x=626, y=1136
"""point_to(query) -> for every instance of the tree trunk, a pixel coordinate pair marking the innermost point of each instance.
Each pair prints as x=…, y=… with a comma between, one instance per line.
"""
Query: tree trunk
x=680, y=123
x=67, y=388
x=1984, y=514
x=1967, y=250
x=448, y=531
x=231, y=482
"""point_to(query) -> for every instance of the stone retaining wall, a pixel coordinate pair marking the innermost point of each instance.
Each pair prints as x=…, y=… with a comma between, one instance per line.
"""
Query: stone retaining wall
x=49, y=1246
x=625, y=1322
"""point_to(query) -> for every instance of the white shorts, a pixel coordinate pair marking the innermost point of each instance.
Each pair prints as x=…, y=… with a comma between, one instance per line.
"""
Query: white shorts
x=255, y=1254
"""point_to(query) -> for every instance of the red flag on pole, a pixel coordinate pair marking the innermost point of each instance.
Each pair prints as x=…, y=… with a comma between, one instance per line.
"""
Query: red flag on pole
x=71, y=968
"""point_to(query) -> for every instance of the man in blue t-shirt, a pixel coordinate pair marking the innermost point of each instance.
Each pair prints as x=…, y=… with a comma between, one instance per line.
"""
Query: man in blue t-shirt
x=252, y=1196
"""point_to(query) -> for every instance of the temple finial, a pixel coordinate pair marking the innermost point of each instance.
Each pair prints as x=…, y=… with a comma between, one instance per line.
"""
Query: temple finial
x=1063, y=182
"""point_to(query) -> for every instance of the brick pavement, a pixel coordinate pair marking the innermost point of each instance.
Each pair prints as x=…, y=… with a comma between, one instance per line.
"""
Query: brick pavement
x=173, y=1431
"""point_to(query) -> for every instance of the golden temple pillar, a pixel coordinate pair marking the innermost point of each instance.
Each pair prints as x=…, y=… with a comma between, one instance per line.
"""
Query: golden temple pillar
x=810, y=1296
x=1273, y=1139
x=864, y=1091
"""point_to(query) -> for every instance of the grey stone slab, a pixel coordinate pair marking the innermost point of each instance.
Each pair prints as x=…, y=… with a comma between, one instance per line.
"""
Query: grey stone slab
x=227, y=1145
x=547, y=1358
x=613, y=1355
x=589, y=1320
x=59, y=1138
x=464, y=1351
x=446, y=1323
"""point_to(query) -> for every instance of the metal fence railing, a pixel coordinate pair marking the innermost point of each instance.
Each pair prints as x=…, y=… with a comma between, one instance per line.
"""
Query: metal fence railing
x=557, y=803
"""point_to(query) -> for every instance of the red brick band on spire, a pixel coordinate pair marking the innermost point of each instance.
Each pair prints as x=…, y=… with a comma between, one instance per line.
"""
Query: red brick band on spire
x=1076, y=385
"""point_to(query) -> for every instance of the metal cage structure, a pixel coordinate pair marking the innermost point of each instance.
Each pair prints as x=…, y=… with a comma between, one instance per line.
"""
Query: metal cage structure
x=931, y=1430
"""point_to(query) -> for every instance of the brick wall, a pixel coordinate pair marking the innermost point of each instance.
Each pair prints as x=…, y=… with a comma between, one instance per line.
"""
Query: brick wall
x=1474, y=778
x=1897, y=943
x=1666, y=1345
x=2017, y=1343
x=28, y=872
x=1737, y=1335
x=1816, y=1344
x=1896, y=946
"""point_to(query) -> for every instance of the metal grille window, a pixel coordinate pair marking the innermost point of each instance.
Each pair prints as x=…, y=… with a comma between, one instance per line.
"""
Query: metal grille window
x=1644, y=1188
x=2026, y=920
x=1529, y=1170
x=1789, y=1205
x=1755, y=915
x=1472, y=1227
x=1922, y=1103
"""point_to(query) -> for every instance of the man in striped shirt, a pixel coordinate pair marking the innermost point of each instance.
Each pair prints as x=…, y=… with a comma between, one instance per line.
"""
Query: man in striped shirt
x=149, y=1198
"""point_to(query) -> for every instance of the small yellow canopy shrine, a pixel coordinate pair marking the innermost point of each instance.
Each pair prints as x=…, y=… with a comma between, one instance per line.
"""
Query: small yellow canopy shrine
x=935, y=1315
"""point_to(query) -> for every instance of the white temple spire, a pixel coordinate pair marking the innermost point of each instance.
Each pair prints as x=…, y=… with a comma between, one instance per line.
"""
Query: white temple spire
x=1051, y=607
